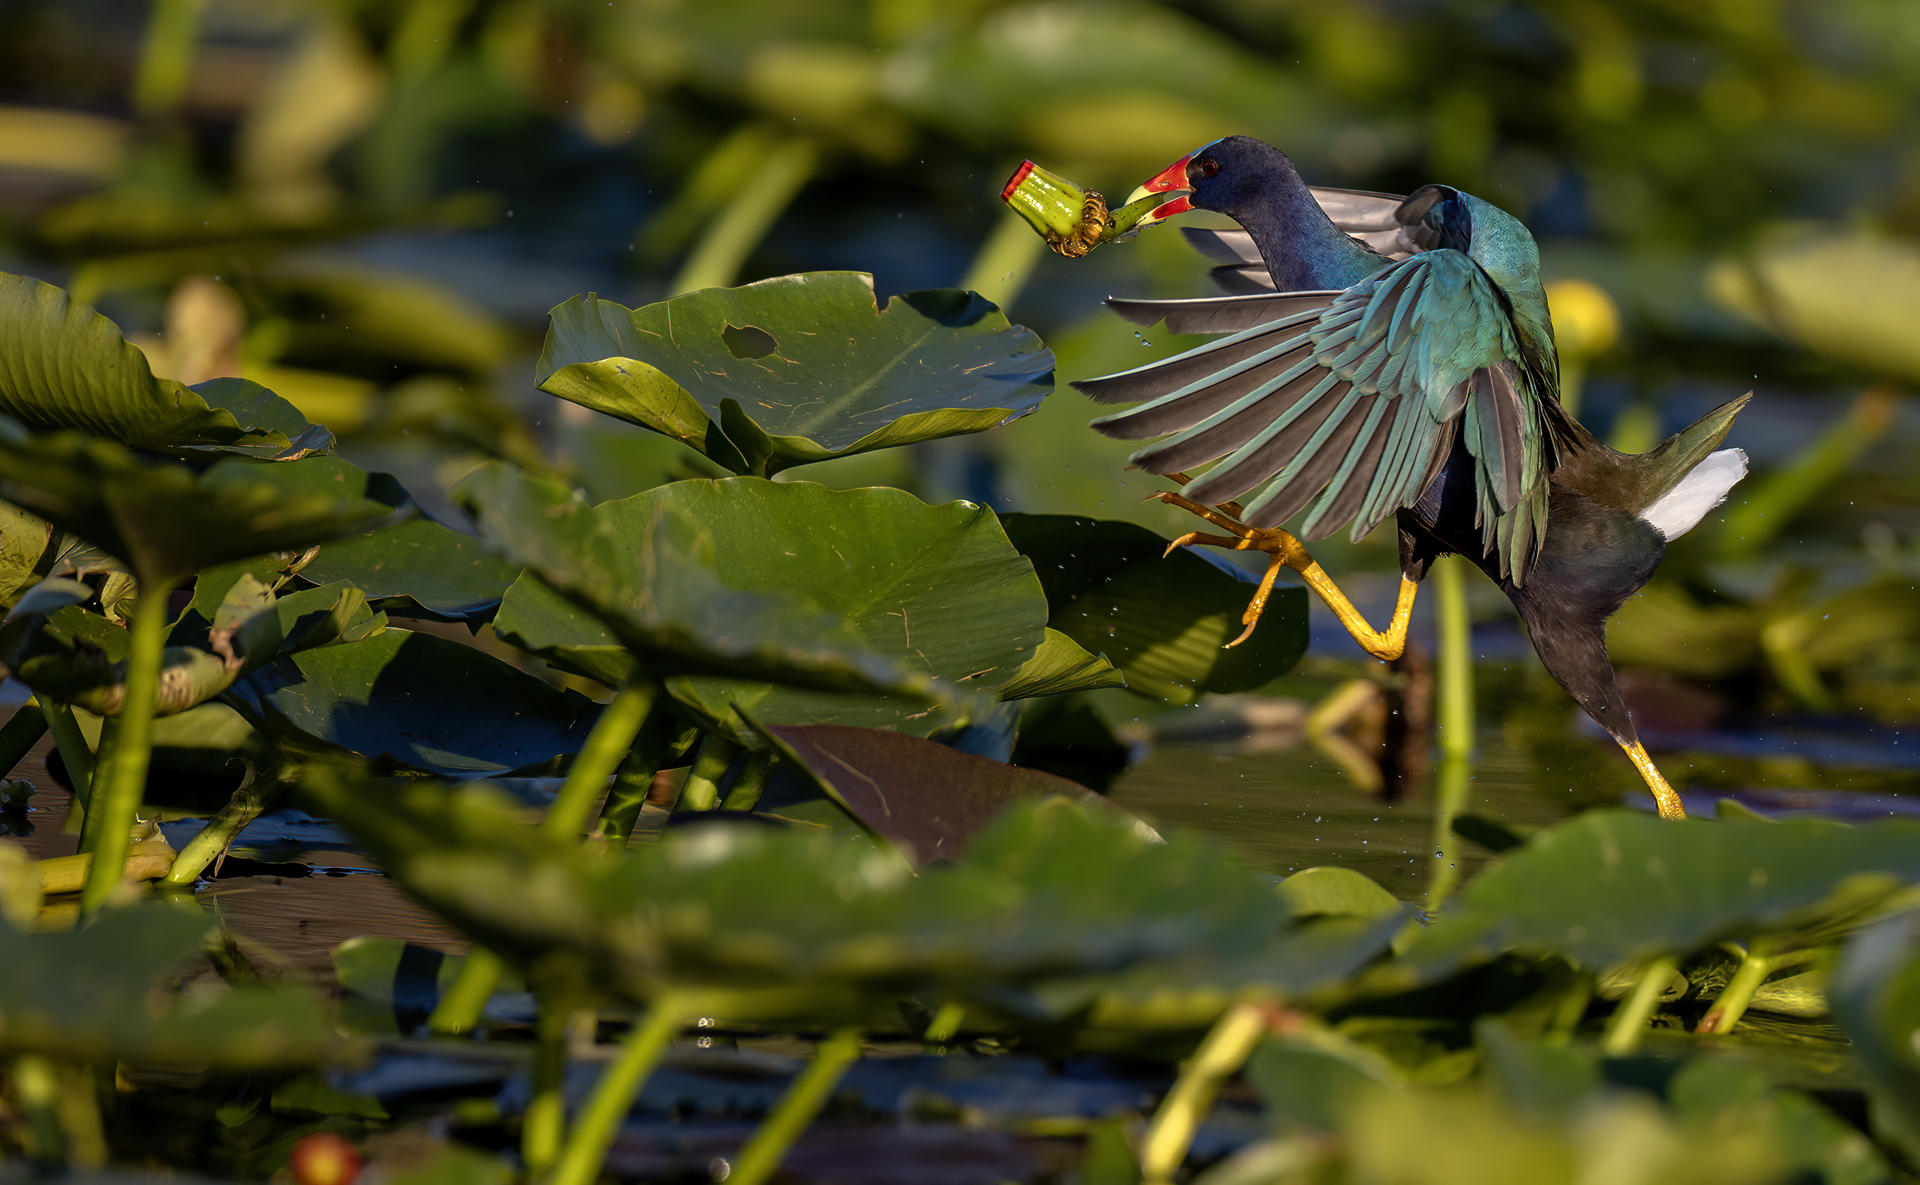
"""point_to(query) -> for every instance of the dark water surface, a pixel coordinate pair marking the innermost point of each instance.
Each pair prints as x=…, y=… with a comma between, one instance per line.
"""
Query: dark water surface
x=296, y=918
x=1293, y=808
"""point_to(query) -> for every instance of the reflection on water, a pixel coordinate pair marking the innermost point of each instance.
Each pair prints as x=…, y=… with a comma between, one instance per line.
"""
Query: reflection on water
x=1293, y=808
x=298, y=918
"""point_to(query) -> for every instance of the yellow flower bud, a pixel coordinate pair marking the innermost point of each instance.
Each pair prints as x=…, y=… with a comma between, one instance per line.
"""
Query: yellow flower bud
x=1585, y=320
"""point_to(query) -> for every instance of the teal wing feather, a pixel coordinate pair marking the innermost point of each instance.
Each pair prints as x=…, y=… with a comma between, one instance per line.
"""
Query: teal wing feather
x=1347, y=406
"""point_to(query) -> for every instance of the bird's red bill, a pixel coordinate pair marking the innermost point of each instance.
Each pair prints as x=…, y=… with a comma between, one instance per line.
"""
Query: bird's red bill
x=1167, y=180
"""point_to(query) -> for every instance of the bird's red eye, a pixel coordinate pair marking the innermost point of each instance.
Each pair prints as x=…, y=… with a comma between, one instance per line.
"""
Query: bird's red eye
x=1206, y=166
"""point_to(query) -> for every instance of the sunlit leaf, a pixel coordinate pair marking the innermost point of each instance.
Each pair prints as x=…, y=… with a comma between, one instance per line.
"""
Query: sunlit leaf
x=417, y=563
x=797, y=368
x=62, y=365
x=1050, y=903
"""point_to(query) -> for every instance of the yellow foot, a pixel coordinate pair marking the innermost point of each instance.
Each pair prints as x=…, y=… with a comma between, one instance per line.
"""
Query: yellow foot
x=1285, y=551
x=1663, y=794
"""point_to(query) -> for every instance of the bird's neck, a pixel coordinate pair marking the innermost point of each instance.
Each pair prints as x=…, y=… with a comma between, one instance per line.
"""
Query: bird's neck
x=1303, y=249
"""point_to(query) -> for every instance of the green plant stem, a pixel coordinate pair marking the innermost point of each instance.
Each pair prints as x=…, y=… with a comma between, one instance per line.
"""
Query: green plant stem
x=634, y=781
x=1449, y=798
x=124, y=778
x=80, y=1116
x=606, y=745
x=74, y=751
x=751, y=783
x=1767, y=505
x=36, y=1092
x=768, y=1145
x=722, y=170
x=1454, y=681
x=702, y=791
x=945, y=1023
x=466, y=998
x=20, y=733
x=593, y=1132
x=543, y=1127
x=1005, y=261
x=1731, y=1004
x=166, y=57
x=1629, y=1020
x=248, y=803
x=777, y=179
x=1227, y=1047
x=88, y=820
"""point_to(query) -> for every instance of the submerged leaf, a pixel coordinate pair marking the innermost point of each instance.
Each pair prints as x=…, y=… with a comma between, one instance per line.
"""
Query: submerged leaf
x=923, y=798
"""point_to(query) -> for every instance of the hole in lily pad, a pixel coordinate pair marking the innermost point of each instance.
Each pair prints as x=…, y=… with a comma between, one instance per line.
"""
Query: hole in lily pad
x=749, y=341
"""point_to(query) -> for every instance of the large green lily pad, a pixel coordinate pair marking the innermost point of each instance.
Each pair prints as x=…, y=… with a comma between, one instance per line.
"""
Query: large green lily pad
x=414, y=701
x=939, y=588
x=1163, y=620
x=645, y=569
x=62, y=365
x=797, y=368
x=1614, y=886
x=165, y=522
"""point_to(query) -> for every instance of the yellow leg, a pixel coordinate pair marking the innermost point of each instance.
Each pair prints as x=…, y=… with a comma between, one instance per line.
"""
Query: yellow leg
x=1663, y=795
x=1288, y=552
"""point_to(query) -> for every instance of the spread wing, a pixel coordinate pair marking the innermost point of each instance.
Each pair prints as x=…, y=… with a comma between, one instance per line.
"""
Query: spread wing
x=1345, y=405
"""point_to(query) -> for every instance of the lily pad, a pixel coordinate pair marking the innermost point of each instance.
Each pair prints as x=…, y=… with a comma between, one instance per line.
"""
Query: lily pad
x=414, y=701
x=1163, y=620
x=938, y=588
x=1876, y=998
x=62, y=365
x=165, y=522
x=1614, y=886
x=925, y=799
x=28, y=548
x=419, y=563
x=89, y=997
x=645, y=568
x=797, y=368
x=80, y=657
